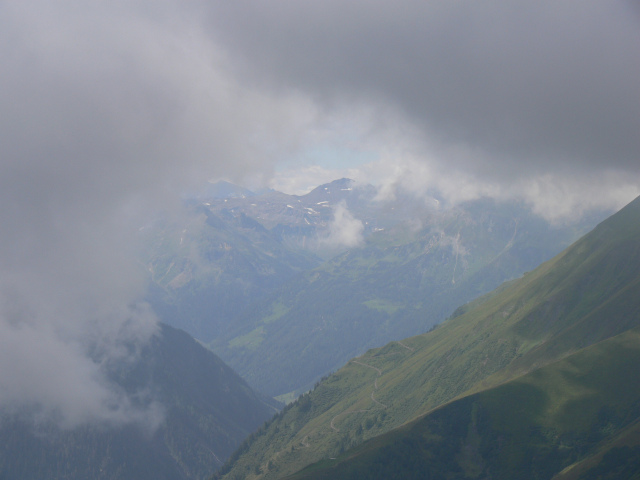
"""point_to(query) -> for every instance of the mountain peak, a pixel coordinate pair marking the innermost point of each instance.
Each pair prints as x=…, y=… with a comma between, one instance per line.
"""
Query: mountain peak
x=332, y=192
x=224, y=189
x=620, y=225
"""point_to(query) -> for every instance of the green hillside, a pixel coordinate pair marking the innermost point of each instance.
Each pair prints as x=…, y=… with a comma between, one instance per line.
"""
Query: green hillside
x=583, y=296
x=533, y=427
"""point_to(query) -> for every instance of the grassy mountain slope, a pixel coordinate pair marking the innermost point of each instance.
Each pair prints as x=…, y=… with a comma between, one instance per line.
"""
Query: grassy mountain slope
x=400, y=283
x=532, y=427
x=208, y=409
x=618, y=457
x=586, y=294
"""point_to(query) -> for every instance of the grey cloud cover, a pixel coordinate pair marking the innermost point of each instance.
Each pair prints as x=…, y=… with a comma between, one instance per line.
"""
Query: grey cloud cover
x=519, y=88
x=110, y=109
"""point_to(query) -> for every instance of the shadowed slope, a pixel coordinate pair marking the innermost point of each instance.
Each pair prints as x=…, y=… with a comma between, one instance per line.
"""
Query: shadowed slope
x=206, y=408
x=531, y=427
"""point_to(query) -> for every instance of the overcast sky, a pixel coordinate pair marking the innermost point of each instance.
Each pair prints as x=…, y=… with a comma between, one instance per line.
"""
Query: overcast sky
x=110, y=109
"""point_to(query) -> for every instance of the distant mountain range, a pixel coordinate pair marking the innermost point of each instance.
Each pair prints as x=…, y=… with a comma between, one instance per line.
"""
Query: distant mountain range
x=402, y=281
x=537, y=379
x=287, y=288
x=208, y=410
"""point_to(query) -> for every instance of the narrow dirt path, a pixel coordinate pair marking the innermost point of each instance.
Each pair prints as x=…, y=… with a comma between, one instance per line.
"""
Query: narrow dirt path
x=379, y=403
x=375, y=387
x=365, y=365
x=405, y=346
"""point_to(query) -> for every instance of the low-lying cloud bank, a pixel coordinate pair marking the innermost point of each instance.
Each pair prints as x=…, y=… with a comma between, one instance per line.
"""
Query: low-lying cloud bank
x=555, y=197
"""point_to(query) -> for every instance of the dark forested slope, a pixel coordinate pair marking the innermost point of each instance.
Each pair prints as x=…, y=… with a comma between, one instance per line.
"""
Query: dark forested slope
x=206, y=408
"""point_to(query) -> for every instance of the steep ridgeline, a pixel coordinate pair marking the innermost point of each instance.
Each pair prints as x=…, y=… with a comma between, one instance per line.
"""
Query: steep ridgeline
x=206, y=410
x=575, y=418
x=489, y=354
x=400, y=282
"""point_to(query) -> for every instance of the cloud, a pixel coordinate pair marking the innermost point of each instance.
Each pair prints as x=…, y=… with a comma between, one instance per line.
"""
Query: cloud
x=560, y=200
x=51, y=377
x=501, y=90
x=555, y=197
x=109, y=111
x=344, y=230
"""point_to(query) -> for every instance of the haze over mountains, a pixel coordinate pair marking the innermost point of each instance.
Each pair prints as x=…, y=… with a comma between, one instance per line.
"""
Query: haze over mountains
x=267, y=278
x=112, y=110
x=322, y=277
x=539, y=378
